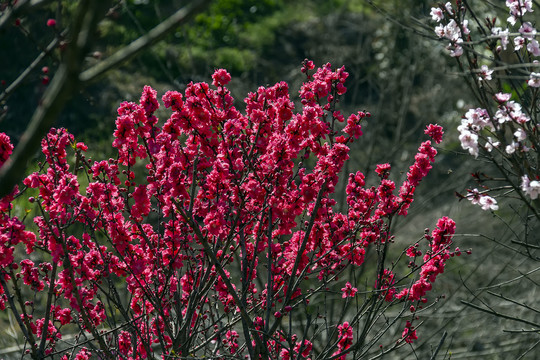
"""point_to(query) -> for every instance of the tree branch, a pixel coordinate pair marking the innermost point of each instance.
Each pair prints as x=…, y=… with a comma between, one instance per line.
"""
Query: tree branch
x=153, y=36
x=493, y=312
x=22, y=7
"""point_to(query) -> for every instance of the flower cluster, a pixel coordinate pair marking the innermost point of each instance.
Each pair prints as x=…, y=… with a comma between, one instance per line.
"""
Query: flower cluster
x=479, y=198
x=476, y=120
x=205, y=232
x=345, y=336
x=531, y=188
x=435, y=259
x=505, y=127
x=348, y=290
x=454, y=30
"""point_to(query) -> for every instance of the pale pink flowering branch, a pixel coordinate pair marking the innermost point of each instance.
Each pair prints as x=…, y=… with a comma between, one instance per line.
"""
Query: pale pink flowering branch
x=482, y=130
x=499, y=64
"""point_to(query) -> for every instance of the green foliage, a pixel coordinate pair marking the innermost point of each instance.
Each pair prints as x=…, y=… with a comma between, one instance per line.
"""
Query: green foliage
x=224, y=20
x=235, y=60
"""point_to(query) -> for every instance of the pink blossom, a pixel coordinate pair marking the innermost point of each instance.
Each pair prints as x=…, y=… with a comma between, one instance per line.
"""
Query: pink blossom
x=383, y=170
x=173, y=100
x=452, y=31
x=503, y=34
x=307, y=65
x=488, y=203
x=148, y=100
x=534, y=80
x=518, y=8
x=533, y=47
x=409, y=333
x=83, y=354
x=52, y=332
x=142, y=203
x=353, y=128
x=81, y=146
x=519, y=42
x=520, y=134
x=490, y=144
x=456, y=51
x=435, y=132
x=527, y=30
x=474, y=196
x=448, y=7
x=434, y=261
x=475, y=120
x=485, y=201
x=465, y=27
x=124, y=343
x=31, y=275
x=439, y=30
x=221, y=77
x=485, y=73
x=511, y=148
x=345, y=339
x=412, y=251
x=306, y=347
x=348, y=290
x=502, y=97
x=51, y=23
x=469, y=141
x=232, y=341
x=6, y=148
x=436, y=14
x=386, y=285
x=63, y=315
x=530, y=188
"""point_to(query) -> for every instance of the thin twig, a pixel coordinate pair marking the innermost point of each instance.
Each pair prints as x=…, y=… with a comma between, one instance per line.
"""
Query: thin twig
x=153, y=36
x=23, y=7
x=439, y=346
x=498, y=314
x=18, y=81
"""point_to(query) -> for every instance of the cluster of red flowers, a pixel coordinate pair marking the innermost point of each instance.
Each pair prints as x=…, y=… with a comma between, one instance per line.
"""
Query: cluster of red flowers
x=217, y=235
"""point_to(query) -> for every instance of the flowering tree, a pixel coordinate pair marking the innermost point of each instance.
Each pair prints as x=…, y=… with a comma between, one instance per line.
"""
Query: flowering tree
x=498, y=59
x=214, y=234
x=504, y=128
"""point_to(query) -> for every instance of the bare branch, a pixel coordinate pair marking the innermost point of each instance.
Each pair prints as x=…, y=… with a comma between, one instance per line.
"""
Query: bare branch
x=69, y=78
x=22, y=7
x=18, y=81
x=153, y=36
x=498, y=314
x=62, y=87
x=439, y=346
